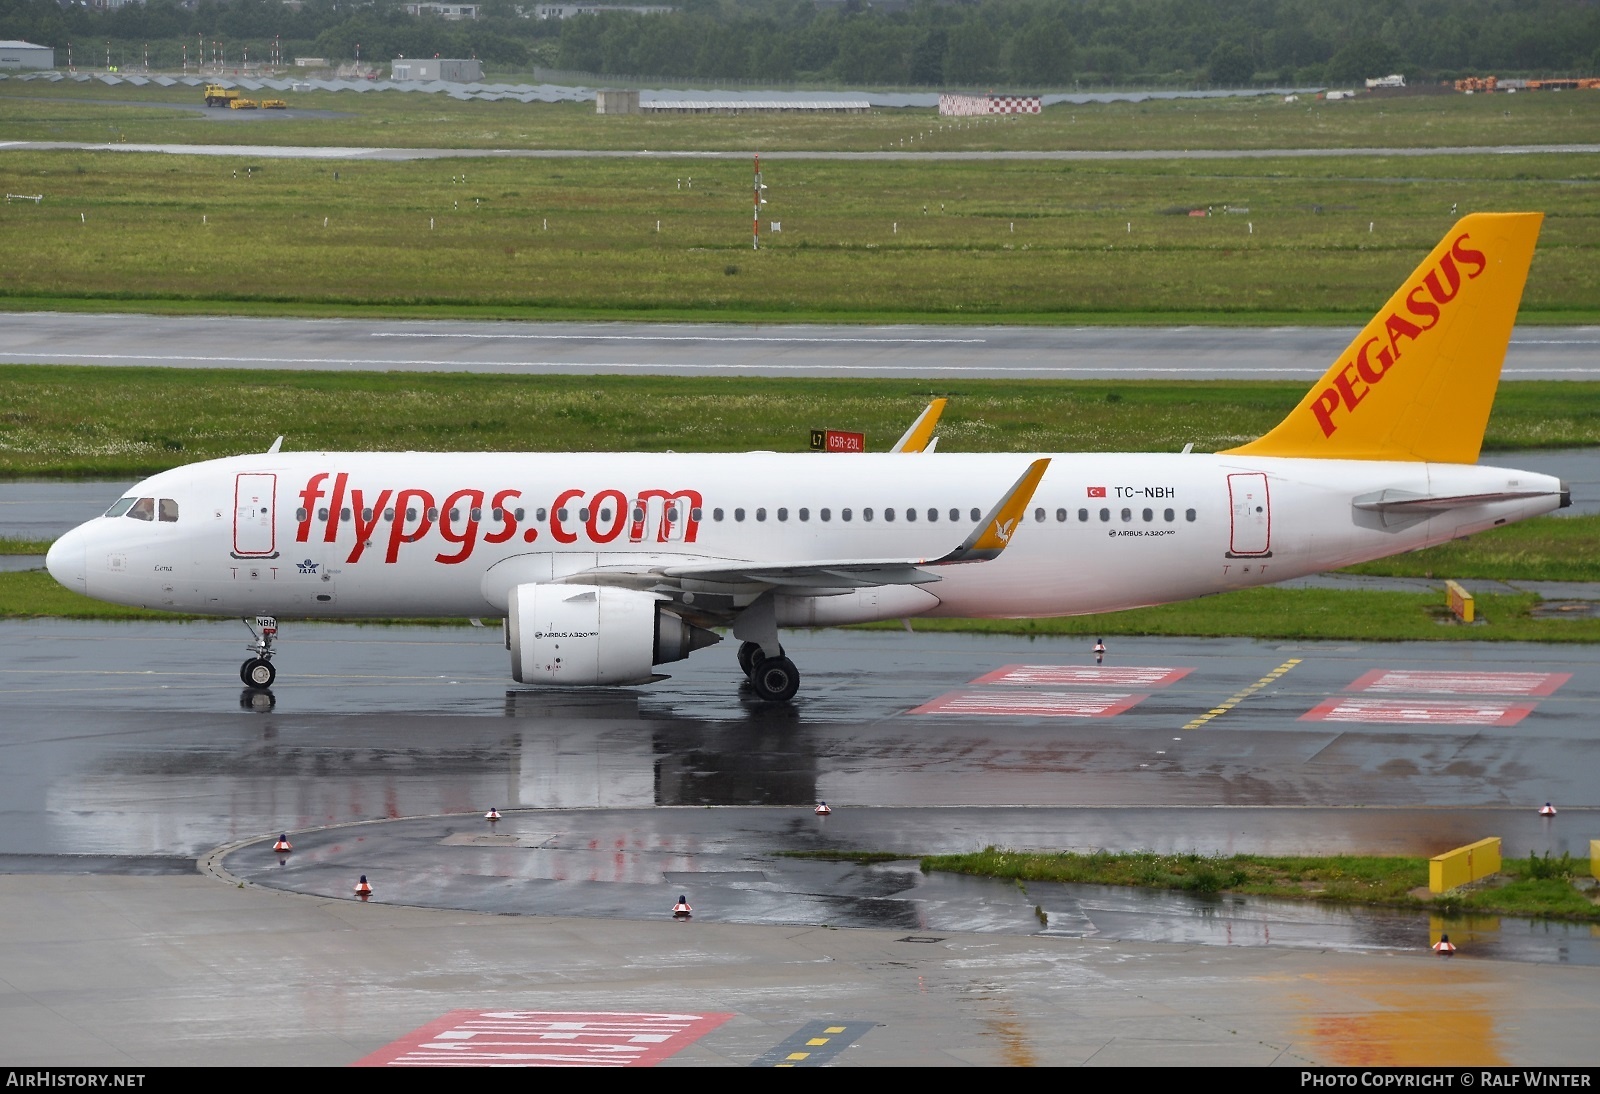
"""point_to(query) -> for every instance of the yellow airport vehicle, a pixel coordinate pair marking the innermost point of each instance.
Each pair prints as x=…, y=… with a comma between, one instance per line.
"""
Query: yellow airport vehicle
x=242, y=104
x=274, y=104
x=217, y=95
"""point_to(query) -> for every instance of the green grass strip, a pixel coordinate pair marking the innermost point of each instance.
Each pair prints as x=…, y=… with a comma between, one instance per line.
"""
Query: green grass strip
x=1535, y=887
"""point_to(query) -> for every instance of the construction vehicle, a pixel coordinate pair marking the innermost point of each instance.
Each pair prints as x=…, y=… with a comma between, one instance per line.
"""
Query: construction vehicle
x=274, y=104
x=242, y=104
x=217, y=95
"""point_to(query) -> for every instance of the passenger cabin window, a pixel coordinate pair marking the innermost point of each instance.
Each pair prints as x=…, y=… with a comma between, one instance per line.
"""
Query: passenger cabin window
x=143, y=509
x=888, y=514
x=1188, y=515
x=805, y=514
x=122, y=506
x=955, y=516
x=825, y=514
x=1038, y=515
x=1083, y=514
x=1061, y=516
x=761, y=514
x=783, y=514
x=716, y=514
x=866, y=514
x=738, y=514
x=933, y=514
x=976, y=515
x=169, y=510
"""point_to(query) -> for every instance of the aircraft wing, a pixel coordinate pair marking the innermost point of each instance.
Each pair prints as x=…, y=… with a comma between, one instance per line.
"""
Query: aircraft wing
x=985, y=542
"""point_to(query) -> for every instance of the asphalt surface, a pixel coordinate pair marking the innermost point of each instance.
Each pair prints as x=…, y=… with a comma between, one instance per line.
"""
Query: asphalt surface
x=267, y=151
x=1536, y=353
x=149, y=920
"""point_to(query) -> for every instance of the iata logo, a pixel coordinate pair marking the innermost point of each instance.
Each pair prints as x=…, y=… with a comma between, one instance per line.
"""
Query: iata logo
x=1377, y=355
x=306, y=567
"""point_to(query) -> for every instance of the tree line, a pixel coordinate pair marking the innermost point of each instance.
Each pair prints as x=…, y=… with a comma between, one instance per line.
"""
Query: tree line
x=1017, y=44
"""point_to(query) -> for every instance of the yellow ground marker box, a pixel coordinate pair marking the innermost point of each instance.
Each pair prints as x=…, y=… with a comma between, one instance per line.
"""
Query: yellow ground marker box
x=1456, y=868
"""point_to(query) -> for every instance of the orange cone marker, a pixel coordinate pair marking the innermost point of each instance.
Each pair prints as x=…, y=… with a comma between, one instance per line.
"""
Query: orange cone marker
x=1548, y=810
x=1444, y=947
x=363, y=890
x=281, y=845
x=681, y=910
x=822, y=809
x=492, y=815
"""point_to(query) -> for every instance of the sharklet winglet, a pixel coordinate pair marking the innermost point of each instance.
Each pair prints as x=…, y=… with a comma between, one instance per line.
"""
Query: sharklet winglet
x=995, y=530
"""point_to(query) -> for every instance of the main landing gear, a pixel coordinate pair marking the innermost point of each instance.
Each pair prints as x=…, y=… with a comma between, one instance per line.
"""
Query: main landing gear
x=258, y=671
x=773, y=679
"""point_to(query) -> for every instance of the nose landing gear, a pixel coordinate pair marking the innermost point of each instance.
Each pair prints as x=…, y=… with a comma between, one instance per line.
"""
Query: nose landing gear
x=258, y=672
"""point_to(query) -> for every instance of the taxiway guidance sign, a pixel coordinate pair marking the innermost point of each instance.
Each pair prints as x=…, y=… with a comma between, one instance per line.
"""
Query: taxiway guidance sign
x=536, y=1038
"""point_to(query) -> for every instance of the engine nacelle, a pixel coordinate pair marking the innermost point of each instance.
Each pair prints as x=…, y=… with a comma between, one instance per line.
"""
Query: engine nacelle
x=593, y=634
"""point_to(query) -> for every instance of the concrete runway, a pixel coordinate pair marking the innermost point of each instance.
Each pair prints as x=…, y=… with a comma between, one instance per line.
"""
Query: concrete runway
x=131, y=753
x=1071, y=155
x=934, y=353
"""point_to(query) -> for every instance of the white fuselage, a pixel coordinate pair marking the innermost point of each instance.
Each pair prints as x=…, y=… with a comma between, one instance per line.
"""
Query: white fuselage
x=447, y=535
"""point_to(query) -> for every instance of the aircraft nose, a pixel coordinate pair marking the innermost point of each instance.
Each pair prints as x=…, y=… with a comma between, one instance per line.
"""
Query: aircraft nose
x=66, y=561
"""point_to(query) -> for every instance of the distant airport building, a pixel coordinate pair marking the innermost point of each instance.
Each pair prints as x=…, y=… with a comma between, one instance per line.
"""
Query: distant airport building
x=452, y=12
x=26, y=55
x=452, y=71
x=567, y=11
x=755, y=106
x=609, y=101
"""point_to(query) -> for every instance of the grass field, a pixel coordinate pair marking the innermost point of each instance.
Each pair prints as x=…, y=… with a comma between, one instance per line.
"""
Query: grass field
x=1538, y=886
x=1304, y=240
x=67, y=111
x=106, y=422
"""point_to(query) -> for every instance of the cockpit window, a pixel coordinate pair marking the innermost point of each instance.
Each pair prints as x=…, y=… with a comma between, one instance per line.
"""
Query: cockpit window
x=143, y=509
x=120, y=507
x=169, y=510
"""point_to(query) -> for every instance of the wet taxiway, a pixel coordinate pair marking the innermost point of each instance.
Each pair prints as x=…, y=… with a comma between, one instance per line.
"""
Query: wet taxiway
x=132, y=739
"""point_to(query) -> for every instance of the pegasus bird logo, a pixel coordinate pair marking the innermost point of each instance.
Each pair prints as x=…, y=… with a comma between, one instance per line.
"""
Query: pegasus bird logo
x=1003, y=530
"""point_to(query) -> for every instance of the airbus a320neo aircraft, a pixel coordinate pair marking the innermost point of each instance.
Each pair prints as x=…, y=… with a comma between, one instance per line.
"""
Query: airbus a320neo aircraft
x=605, y=565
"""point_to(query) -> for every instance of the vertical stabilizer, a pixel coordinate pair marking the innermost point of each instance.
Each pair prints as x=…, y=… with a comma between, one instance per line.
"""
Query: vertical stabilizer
x=1417, y=383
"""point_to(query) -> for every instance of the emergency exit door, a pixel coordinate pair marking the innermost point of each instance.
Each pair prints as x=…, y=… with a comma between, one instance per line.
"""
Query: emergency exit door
x=1251, y=529
x=255, y=502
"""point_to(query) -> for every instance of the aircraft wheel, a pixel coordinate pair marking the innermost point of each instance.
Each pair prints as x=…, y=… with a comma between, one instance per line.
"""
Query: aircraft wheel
x=775, y=679
x=258, y=673
x=748, y=652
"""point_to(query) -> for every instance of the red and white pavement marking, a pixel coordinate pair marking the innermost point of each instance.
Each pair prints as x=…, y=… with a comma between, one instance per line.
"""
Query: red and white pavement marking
x=534, y=1038
x=1105, y=676
x=1461, y=683
x=1032, y=704
x=1419, y=711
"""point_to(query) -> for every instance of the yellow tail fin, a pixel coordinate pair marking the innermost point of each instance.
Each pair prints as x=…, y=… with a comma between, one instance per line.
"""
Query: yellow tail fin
x=1418, y=381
